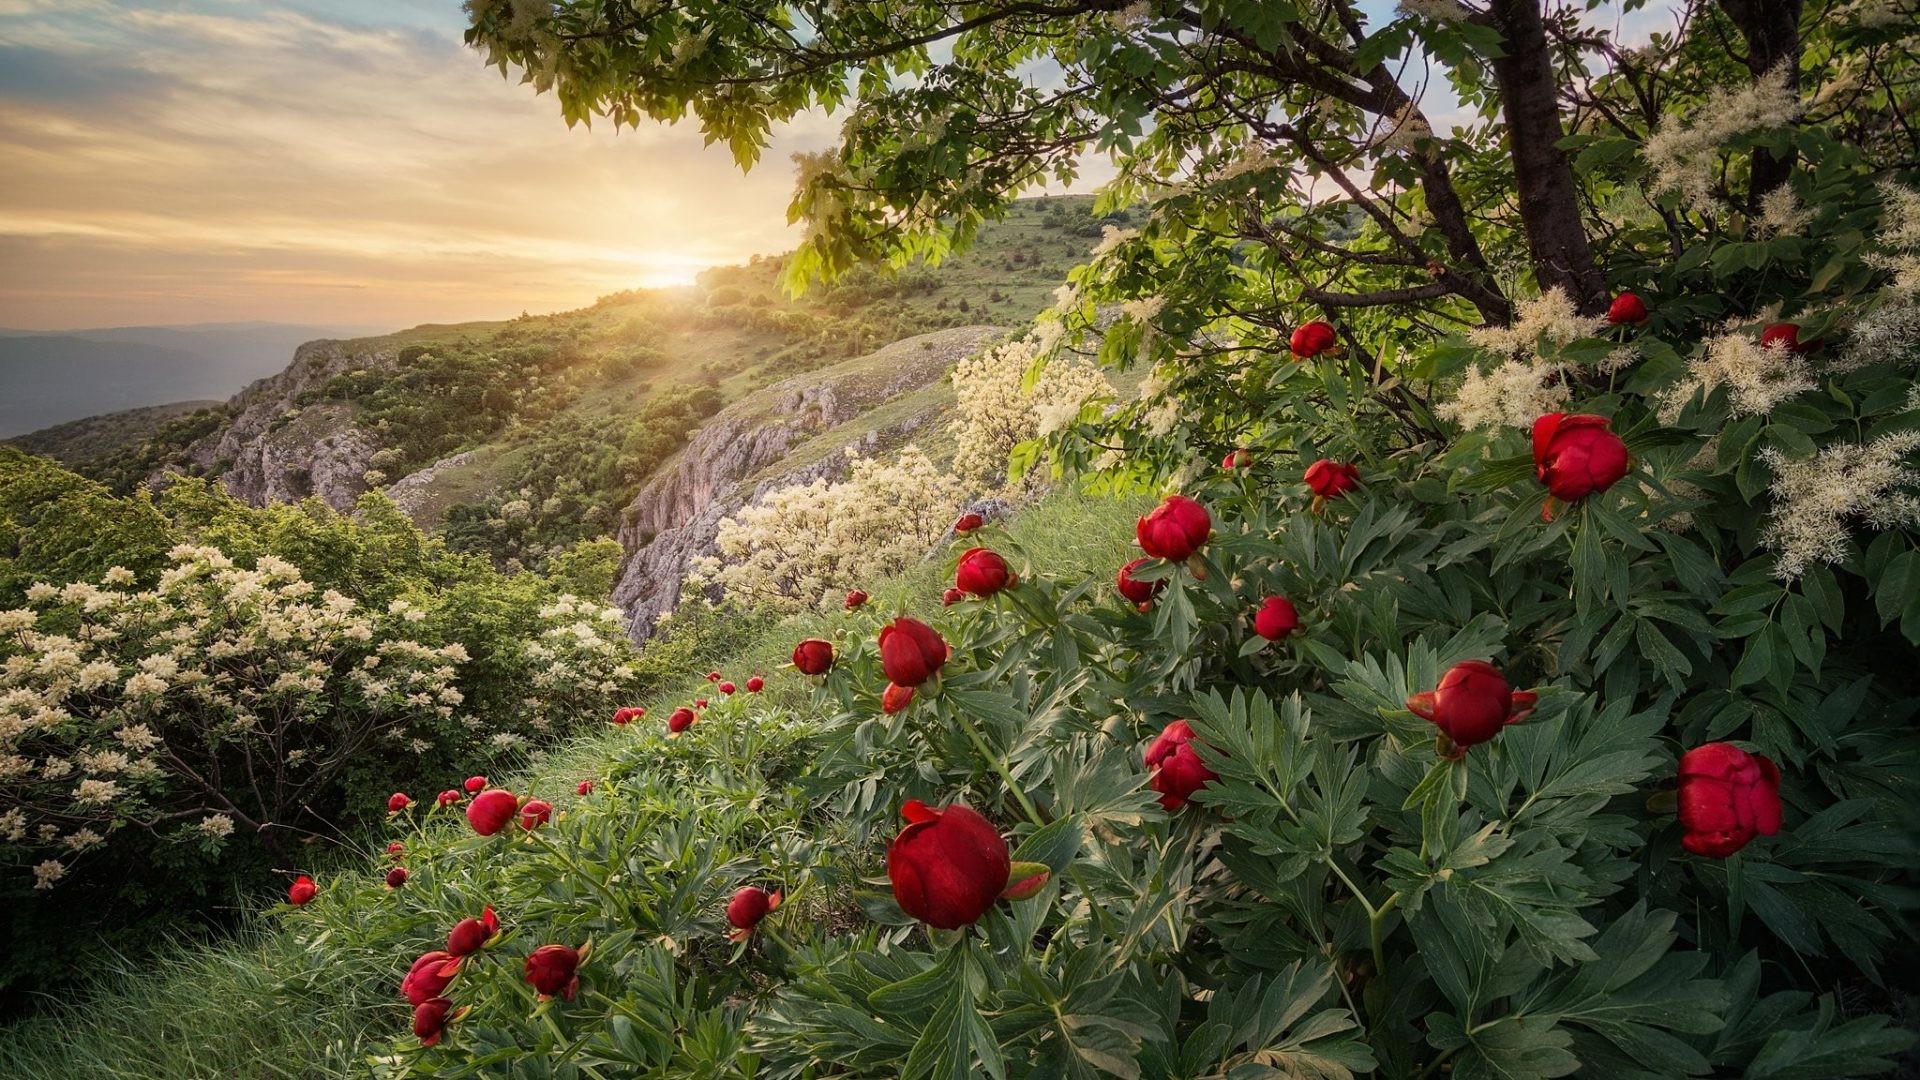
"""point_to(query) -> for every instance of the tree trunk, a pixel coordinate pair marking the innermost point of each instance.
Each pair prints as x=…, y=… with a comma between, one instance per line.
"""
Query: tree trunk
x=1771, y=29
x=1549, y=200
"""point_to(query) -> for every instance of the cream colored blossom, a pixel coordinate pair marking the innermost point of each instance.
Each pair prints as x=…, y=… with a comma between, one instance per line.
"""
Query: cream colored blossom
x=1781, y=213
x=1816, y=500
x=96, y=792
x=1440, y=11
x=1757, y=377
x=216, y=825
x=1551, y=317
x=1682, y=154
x=1512, y=394
x=48, y=873
x=1003, y=394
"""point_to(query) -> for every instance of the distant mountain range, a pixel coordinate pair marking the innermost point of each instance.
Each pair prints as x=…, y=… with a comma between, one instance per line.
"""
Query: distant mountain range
x=49, y=377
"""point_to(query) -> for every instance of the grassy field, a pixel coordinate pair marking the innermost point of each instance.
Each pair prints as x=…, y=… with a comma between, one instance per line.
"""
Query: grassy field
x=262, y=1002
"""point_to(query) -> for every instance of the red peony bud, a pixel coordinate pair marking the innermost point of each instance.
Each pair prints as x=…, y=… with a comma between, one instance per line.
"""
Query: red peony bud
x=429, y=976
x=397, y=802
x=911, y=652
x=1175, y=529
x=475, y=785
x=713, y=676
x=430, y=1020
x=471, y=935
x=699, y=703
x=756, y=684
x=982, y=573
x=1177, y=771
x=535, y=814
x=1329, y=479
x=1785, y=335
x=855, y=599
x=748, y=906
x=1472, y=703
x=626, y=716
x=681, y=720
x=302, y=890
x=553, y=970
x=490, y=811
x=397, y=877
x=1627, y=309
x=897, y=697
x=1140, y=592
x=968, y=522
x=1578, y=455
x=947, y=866
x=1276, y=618
x=1236, y=459
x=813, y=656
x=447, y=798
x=585, y=788
x=1727, y=797
x=395, y=850
x=951, y=597
x=727, y=687
x=1313, y=339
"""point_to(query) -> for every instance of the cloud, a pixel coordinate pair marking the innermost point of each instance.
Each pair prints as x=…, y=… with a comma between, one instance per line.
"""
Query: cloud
x=354, y=164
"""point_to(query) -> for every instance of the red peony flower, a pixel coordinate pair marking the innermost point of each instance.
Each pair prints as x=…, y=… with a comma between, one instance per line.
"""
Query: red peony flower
x=1177, y=771
x=1313, y=339
x=727, y=688
x=397, y=802
x=397, y=877
x=982, y=573
x=1627, y=309
x=1578, y=455
x=1471, y=705
x=585, y=788
x=855, y=599
x=471, y=935
x=813, y=656
x=968, y=522
x=490, y=811
x=475, y=785
x=535, y=814
x=947, y=866
x=756, y=684
x=699, y=703
x=897, y=697
x=1276, y=618
x=713, y=676
x=748, y=906
x=1175, y=529
x=1727, y=797
x=1329, y=479
x=1236, y=459
x=428, y=976
x=628, y=715
x=395, y=850
x=951, y=597
x=302, y=890
x=430, y=1019
x=447, y=797
x=553, y=970
x=1785, y=335
x=681, y=720
x=911, y=652
x=1140, y=592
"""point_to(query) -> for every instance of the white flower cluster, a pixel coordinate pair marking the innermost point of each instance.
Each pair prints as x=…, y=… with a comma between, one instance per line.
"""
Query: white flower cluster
x=1018, y=391
x=1900, y=236
x=1440, y=11
x=1515, y=390
x=1815, y=500
x=806, y=544
x=1757, y=377
x=1682, y=154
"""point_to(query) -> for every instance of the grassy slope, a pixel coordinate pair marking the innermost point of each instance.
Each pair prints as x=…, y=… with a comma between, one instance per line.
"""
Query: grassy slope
x=82, y=442
x=261, y=1004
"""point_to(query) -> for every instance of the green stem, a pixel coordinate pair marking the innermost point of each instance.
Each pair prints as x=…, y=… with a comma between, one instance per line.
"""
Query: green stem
x=1374, y=922
x=1000, y=766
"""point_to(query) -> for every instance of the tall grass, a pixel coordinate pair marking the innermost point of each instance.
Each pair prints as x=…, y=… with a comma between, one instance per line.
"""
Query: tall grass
x=262, y=1002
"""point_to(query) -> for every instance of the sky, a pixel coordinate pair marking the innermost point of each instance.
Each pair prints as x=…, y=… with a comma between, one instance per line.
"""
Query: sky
x=343, y=162
x=332, y=162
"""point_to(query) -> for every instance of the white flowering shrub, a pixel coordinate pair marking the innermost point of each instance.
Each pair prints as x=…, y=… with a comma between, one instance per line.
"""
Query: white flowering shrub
x=225, y=699
x=804, y=545
x=1013, y=393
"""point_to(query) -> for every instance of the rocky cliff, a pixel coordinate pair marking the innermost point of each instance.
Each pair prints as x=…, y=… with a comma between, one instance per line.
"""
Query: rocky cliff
x=785, y=434
x=274, y=450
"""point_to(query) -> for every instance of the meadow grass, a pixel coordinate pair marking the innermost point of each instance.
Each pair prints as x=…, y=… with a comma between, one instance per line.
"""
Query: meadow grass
x=261, y=1002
